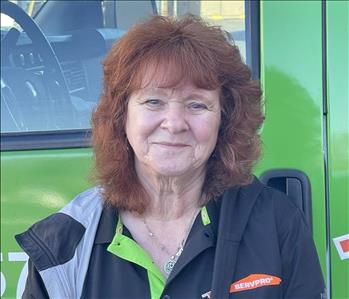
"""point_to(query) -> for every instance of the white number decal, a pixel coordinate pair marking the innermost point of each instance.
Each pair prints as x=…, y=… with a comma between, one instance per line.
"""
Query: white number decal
x=16, y=257
x=3, y=280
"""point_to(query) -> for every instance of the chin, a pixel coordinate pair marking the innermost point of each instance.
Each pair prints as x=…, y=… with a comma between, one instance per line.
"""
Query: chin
x=172, y=171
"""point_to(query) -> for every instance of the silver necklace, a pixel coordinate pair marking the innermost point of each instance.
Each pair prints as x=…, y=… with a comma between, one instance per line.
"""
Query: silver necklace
x=173, y=258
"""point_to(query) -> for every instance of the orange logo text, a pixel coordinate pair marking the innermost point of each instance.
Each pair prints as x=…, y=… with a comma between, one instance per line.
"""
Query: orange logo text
x=254, y=281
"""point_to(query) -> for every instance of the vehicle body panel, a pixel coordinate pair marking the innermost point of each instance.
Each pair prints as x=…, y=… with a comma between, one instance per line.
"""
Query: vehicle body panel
x=338, y=138
x=291, y=74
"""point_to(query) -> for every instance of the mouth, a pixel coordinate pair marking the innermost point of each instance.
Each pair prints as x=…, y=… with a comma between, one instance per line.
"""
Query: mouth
x=171, y=145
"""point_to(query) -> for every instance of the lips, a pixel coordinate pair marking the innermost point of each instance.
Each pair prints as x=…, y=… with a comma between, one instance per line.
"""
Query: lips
x=170, y=144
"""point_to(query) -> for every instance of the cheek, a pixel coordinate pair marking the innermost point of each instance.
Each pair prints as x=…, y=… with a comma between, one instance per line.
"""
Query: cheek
x=133, y=129
x=206, y=132
x=139, y=127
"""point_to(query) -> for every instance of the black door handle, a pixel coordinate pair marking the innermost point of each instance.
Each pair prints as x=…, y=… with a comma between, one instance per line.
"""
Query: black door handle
x=295, y=184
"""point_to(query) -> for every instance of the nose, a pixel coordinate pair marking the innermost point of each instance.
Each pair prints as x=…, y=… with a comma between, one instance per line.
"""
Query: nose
x=175, y=120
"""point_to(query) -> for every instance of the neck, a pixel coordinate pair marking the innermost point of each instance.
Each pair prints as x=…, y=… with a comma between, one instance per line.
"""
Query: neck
x=172, y=197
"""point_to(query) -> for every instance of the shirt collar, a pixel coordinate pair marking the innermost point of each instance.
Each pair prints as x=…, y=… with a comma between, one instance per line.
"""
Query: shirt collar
x=108, y=221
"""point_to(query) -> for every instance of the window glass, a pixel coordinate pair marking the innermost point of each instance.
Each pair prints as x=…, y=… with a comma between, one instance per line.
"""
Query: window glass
x=230, y=15
x=31, y=7
x=51, y=78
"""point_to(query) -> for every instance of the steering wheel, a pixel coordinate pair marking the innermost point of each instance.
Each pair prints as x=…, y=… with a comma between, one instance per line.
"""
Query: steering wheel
x=51, y=91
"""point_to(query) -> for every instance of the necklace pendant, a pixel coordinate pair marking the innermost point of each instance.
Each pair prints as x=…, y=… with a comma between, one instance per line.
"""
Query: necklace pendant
x=179, y=252
x=169, y=266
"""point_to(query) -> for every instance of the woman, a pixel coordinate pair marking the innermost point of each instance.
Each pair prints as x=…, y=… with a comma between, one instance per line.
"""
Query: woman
x=177, y=213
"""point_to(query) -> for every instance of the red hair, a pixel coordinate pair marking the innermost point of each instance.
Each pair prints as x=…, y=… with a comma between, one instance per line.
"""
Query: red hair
x=192, y=50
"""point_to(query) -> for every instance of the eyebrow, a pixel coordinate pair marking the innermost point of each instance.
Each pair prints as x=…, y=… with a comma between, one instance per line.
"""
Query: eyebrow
x=198, y=93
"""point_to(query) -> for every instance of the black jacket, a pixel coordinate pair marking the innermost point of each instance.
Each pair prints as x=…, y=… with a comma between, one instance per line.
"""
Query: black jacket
x=263, y=249
x=262, y=232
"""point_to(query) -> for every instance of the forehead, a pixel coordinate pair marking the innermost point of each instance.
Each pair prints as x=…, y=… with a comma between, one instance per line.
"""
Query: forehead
x=171, y=71
x=167, y=77
x=159, y=76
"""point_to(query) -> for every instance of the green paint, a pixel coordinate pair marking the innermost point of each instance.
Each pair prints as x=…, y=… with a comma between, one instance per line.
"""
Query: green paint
x=291, y=74
x=129, y=250
x=338, y=136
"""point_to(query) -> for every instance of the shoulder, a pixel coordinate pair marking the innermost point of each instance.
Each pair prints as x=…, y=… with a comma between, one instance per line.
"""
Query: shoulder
x=85, y=205
x=283, y=208
x=76, y=214
x=259, y=195
x=279, y=213
x=278, y=201
x=59, y=234
x=262, y=204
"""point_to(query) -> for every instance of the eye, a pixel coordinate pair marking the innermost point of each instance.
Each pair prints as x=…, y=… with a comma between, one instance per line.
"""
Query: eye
x=197, y=106
x=154, y=103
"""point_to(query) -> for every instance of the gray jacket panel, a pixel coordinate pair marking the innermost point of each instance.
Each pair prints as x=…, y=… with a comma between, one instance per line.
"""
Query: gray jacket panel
x=65, y=280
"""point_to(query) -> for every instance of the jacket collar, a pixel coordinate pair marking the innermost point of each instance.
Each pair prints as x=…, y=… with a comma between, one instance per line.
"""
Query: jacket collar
x=107, y=225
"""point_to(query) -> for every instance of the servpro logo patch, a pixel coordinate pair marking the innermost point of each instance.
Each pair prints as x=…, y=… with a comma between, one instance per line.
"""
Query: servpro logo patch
x=254, y=281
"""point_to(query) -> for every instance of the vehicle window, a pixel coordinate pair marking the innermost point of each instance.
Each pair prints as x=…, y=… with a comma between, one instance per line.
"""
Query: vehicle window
x=30, y=7
x=230, y=15
x=51, y=54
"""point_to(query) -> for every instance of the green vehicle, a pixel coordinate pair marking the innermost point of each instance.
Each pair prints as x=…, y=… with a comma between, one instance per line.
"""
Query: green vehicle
x=51, y=79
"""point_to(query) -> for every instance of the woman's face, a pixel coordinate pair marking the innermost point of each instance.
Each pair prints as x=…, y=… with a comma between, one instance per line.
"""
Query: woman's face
x=173, y=131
